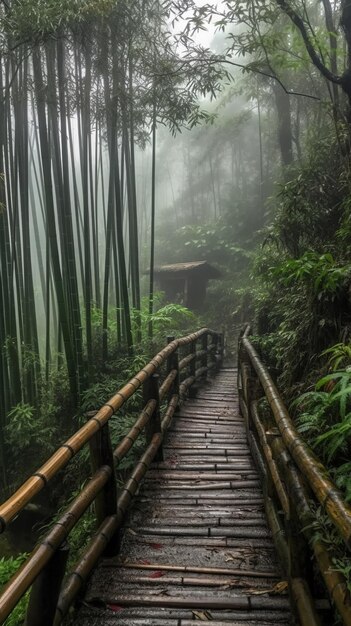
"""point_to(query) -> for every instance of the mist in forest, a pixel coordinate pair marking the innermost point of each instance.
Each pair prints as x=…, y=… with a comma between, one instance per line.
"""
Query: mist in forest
x=139, y=135
x=174, y=195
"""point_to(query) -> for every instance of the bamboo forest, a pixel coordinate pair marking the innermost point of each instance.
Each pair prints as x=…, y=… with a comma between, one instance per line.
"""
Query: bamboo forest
x=175, y=312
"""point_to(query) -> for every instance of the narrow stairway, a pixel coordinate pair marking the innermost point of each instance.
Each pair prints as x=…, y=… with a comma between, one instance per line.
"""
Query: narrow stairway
x=196, y=545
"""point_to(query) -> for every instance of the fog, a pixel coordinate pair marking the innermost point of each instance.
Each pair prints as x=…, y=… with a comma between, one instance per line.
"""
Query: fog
x=131, y=138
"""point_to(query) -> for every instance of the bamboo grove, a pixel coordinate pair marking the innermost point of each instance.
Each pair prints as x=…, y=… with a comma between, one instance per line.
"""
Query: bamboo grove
x=82, y=85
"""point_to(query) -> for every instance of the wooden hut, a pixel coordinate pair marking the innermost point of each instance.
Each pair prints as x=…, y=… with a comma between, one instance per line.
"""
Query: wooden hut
x=185, y=282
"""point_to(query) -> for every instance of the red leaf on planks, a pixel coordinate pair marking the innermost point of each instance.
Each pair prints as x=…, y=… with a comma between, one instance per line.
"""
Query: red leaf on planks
x=115, y=607
x=145, y=562
x=156, y=574
x=156, y=546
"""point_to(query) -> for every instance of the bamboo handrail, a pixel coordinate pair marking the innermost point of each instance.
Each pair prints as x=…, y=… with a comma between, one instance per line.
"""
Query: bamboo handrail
x=40, y=478
x=289, y=470
x=100, y=481
x=328, y=495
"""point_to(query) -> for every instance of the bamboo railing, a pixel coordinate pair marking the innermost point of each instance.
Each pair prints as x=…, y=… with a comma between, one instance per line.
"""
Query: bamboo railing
x=295, y=483
x=45, y=568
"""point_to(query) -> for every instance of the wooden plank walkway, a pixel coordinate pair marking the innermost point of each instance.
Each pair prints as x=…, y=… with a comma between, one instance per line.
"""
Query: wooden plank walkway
x=201, y=508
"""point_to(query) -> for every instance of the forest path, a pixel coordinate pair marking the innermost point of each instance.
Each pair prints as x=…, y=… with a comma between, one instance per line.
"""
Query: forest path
x=200, y=508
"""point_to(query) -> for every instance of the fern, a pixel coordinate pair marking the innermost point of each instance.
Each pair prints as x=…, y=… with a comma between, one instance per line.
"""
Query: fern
x=335, y=439
x=339, y=354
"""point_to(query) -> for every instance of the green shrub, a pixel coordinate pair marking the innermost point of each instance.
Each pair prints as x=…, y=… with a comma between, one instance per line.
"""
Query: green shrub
x=8, y=567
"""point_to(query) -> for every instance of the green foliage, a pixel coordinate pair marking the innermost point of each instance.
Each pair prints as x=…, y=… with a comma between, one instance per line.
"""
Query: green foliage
x=80, y=536
x=342, y=475
x=301, y=274
x=120, y=426
x=21, y=428
x=167, y=319
x=34, y=20
x=21, y=431
x=8, y=567
x=319, y=272
x=325, y=419
x=97, y=394
x=340, y=354
x=32, y=433
x=323, y=530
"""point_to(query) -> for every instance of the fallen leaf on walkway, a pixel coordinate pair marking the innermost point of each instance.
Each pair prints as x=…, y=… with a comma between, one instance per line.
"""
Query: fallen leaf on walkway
x=157, y=574
x=156, y=546
x=280, y=587
x=205, y=616
x=115, y=607
x=145, y=562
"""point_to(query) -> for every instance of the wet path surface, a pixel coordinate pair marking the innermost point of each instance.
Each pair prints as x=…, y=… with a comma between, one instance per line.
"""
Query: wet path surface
x=196, y=544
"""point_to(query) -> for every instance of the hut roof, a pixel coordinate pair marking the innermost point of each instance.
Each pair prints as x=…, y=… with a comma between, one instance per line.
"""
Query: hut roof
x=192, y=267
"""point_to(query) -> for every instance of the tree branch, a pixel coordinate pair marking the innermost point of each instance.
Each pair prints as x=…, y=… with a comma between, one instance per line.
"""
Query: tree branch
x=247, y=68
x=275, y=77
x=299, y=23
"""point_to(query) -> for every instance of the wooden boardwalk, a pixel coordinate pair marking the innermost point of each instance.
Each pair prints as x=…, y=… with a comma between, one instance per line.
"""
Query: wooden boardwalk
x=196, y=545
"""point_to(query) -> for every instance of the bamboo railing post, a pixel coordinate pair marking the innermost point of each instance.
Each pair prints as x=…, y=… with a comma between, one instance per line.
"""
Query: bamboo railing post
x=150, y=392
x=204, y=358
x=192, y=366
x=252, y=393
x=220, y=348
x=271, y=435
x=101, y=453
x=299, y=564
x=214, y=354
x=46, y=590
x=193, y=390
x=173, y=364
x=245, y=386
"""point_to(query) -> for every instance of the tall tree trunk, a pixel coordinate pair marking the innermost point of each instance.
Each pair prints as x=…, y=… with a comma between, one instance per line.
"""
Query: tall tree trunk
x=152, y=233
x=51, y=226
x=282, y=101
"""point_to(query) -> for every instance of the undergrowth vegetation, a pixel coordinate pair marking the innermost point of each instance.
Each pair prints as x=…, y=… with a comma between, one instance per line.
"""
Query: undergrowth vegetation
x=301, y=301
x=8, y=566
